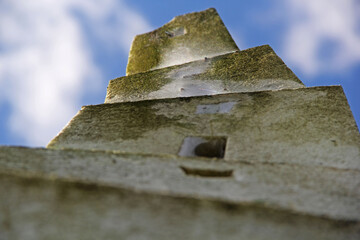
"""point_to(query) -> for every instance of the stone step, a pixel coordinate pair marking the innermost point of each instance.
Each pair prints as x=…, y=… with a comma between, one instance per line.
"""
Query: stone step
x=316, y=191
x=254, y=69
x=309, y=126
x=38, y=209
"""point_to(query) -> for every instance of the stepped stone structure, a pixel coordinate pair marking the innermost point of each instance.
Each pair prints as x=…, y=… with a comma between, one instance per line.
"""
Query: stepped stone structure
x=199, y=141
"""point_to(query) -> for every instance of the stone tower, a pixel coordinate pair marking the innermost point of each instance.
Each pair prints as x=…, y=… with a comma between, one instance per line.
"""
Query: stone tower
x=199, y=141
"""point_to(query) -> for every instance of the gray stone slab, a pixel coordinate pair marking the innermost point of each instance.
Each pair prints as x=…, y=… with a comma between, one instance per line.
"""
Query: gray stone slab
x=317, y=191
x=186, y=38
x=254, y=69
x=309, y=126
x=34, y=209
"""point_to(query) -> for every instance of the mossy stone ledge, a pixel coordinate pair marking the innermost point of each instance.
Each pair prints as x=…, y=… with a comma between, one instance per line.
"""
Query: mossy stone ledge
x=254, y=69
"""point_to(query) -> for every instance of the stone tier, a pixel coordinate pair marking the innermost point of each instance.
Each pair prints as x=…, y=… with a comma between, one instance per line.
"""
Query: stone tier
x=254, y=69
x=308, y=126
x=184, y=39
x=75, y=194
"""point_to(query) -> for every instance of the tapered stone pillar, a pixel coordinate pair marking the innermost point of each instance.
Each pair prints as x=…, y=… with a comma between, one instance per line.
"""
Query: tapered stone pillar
x=199, y=141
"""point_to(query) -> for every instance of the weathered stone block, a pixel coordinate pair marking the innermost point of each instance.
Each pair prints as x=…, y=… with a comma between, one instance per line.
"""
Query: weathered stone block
x=74, y=194
x=310, y=126
x=254, y=69
x=184, y=39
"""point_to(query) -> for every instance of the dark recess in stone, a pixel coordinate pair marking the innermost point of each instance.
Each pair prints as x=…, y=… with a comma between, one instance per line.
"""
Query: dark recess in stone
x=206, y=172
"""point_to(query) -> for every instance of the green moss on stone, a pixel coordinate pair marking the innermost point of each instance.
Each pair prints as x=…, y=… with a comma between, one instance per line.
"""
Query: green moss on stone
x=115, y=122
x=144, y=54
x=254, y=63
x=138, y=84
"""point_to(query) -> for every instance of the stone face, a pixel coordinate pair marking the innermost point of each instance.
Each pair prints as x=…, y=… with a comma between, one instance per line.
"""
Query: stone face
x=184, y=39
x=255, y=69
x=38, y=209
x=106, y=194
x=311, y=126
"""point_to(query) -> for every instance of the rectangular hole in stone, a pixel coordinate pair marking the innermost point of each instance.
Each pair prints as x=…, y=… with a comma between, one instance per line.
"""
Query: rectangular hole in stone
x=206, y=172
x=211, y=147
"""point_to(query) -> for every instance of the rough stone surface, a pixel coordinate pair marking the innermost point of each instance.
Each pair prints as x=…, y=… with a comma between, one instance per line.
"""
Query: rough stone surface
x=310, y=126
x=184, y=39
x=254, y=69
x=96, y=194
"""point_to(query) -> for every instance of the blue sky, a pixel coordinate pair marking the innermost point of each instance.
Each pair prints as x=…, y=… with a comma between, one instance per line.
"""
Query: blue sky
x=56, y=56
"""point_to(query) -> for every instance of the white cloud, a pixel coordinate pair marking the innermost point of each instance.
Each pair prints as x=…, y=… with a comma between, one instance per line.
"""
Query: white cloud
x=46, y=62
x=114, y=22
x=315, y=27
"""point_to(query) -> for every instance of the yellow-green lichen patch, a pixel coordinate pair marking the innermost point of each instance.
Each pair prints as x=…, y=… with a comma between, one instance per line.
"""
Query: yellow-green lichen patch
x=186, y=38
x=252, y=64
x=114, y=123
x=144, y=53
x=320, y=109
x=136, y=85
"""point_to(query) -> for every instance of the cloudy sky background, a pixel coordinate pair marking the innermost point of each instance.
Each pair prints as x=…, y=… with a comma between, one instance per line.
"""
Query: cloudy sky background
x=56, y=56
